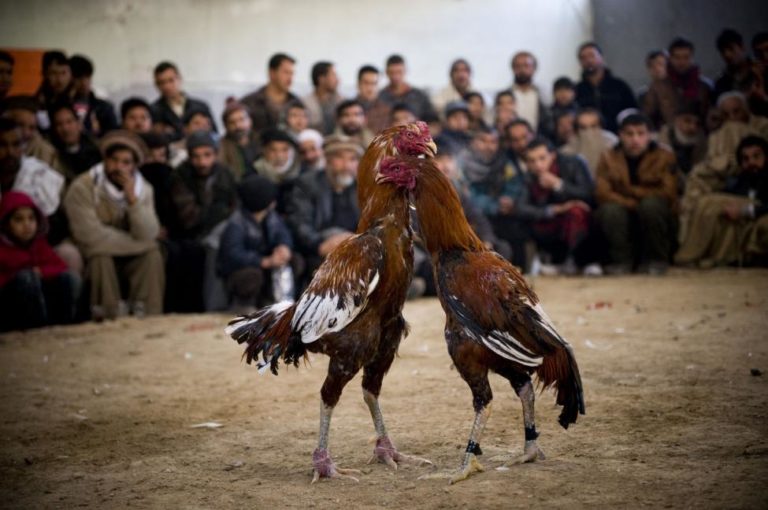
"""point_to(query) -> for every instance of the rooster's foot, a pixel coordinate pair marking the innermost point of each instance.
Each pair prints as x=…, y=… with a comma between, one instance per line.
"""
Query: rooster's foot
x=531, y=453
x=386, y=453
x=326, y=468
x=470, y=466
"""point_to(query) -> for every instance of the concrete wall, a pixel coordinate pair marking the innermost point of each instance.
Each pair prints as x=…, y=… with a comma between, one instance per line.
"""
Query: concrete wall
x=628, y=30
x=222, y=46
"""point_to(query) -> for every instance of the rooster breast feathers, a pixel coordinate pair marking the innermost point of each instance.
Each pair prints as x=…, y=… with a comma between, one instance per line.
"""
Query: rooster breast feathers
x=495, y=307
x=340, y=288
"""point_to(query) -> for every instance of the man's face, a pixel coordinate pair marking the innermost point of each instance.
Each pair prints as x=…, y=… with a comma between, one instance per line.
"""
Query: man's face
x=681, y=59
x=519, y=137
x=67, y=127
x=6, y=77
x=352, y=120
x=588, y=121
x=486, y=145
x=657, y=67
x=82, y=86
x=564, y=127
x=198, y=122
x=203, y=159
x=733, y=54
x=565, y=96
x=523, y=67
x=341, y=167
x=119, y=164
x=733, y=109
x=138, y=120
x=168, y=83
x=396, y=74
x=158, y=155
x=635, y=139
x=27, y=123
x=460, y=76
x=282, y=77
x=590, y=60
x=329, y=82
x=687, y=124
x=310, y=152
x=476, y=107
x=539, y=159
x=238, y=123
x=278, y=153
x=402, y=117
x=752, y=158
x=296, y=119
x=11, y=150
x=58, y=76
x=368, y=86
x=458, y=121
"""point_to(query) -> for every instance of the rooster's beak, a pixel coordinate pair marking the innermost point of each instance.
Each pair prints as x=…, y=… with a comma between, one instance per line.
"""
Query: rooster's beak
x=432, y=148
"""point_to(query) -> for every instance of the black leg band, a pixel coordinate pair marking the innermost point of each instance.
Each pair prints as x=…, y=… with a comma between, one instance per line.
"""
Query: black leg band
x=473, y=447
x=531, y=434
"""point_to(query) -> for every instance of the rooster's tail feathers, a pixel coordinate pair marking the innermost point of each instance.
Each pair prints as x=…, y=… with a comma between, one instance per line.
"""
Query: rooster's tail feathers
x=267, y=333
x=560, y=370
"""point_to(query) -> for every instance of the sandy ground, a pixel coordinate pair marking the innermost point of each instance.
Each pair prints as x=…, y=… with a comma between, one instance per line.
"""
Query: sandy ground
x=100, y=415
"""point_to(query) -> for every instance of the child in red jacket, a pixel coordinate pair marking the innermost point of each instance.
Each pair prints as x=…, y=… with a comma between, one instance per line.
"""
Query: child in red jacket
x=35, y=287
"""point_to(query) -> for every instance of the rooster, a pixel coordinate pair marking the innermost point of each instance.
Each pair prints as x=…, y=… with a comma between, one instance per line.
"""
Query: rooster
x=494, y=320
x=352, y=309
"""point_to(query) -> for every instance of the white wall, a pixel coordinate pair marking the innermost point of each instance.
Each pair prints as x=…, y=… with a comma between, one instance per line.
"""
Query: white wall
x=222, y=46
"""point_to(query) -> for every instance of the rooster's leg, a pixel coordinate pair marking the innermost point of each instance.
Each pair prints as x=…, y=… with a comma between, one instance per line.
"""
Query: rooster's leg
x=531, y=452
x=481, y=391
x=321, y=457
x=385, y=451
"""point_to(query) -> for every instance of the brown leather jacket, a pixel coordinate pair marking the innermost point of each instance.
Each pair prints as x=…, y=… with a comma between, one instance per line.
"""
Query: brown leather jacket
x=656, y=174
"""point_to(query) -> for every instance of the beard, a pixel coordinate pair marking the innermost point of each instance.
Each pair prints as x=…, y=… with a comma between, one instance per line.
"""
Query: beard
x=590, y=71
x=344, y=181
x=683, y=139
x=521, y=79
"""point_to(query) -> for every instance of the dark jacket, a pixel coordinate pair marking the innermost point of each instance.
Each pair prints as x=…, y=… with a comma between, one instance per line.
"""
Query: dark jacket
x=611, y=96
x=102, y=111
x=262, y=113
x=159, y=175
x=489, y=181
x=244, y=242
x=162, y=112
x=416, y=100
x=745, y=184
x=577, y=185
x=310, y=209
x=201, y=204
x=75, y=163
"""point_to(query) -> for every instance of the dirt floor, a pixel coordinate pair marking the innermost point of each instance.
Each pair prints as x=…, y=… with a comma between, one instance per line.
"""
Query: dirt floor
x=100, y=415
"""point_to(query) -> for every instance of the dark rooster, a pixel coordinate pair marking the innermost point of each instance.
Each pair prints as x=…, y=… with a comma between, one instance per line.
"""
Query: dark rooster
x=351, y=311
x=494, y=320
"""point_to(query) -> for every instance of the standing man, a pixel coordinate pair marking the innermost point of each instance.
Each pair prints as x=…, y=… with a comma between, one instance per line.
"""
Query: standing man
x=529, y=104
x=174, y=104
x=267, y=103
x=351, y=122
x=322, y=102
x=376, y=111
x=598, y=87
x=460, y=86
x=97, y=115
x=400, y=91
x=240, y=146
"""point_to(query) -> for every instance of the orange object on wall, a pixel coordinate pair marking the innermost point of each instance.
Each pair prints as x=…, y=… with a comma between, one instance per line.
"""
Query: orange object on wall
x=27, y=70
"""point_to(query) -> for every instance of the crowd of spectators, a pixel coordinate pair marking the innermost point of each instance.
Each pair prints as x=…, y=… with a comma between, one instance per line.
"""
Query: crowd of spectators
x=148, y=208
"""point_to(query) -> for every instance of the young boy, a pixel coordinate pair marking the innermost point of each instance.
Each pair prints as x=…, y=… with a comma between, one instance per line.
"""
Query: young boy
x=256, y=249
x=35, y=287
x=564, y=92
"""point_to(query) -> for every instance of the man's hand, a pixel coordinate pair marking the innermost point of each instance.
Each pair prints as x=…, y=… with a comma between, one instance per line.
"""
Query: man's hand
x=281, y=255
x=733, y=211
x=332, y=242
x=127, y=181
x=549, y=180
x=570, y=204
x=506, y=205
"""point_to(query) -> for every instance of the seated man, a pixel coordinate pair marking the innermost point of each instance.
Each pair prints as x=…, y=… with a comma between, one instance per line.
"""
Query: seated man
x=204, y=194
x=323, y=211
x=294, y=118
x=112, y=216
x=401, y=114
x=77, y=151
x=556, y=202
x=686, y=137
x=495, y=185
x=256, y=249
x=590, y=139
x=279, y=162
x=240, y=147
x=23, y=111
x=137, y=115
x=98, y=115
x=564, y=93
x=322, y=102
x=456, y=132
x=311, y=151
x=351, y=122
x=174, y=104
x=637, y=196
x=730, y=225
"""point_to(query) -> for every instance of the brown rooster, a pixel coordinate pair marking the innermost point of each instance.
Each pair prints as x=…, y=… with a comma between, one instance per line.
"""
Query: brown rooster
x=351, y=311
x=494, y=321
